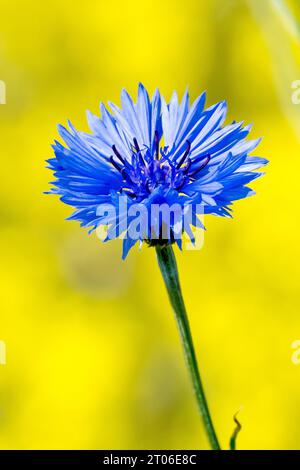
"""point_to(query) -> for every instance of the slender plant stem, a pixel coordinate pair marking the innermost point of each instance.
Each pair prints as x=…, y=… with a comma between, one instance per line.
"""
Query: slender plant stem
x=168, y=267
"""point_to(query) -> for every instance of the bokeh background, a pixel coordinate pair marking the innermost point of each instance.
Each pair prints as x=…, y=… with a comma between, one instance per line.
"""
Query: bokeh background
x=93, y=355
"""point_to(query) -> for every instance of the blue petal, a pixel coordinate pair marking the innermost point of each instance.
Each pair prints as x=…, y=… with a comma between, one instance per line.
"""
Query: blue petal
x=128, y=243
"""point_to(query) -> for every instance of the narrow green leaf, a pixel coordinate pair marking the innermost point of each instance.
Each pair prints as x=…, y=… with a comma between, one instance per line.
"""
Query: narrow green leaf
x=238, y=427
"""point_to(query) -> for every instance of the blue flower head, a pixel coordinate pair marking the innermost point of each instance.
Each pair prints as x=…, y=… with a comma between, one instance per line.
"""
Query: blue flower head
x=153, y=153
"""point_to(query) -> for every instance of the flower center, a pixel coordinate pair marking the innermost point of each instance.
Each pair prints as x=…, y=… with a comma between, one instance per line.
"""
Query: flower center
x=149, y=169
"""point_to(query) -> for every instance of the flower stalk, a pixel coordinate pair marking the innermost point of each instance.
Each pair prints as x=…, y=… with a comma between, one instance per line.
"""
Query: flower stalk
x=167, y=263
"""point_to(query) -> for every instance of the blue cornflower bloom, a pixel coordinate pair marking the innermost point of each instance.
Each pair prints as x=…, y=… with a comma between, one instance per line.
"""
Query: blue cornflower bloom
x=150, y=153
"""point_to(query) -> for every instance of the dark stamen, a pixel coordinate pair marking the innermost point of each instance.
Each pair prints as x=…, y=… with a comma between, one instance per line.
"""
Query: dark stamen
x=115, y=164
x=206, y=161
x=117, y=153
x=124, y=173
x=119, y=168
x=181, y=161
x=156, y=140
x=187, y=165
x=141, y=159
x=136, y=144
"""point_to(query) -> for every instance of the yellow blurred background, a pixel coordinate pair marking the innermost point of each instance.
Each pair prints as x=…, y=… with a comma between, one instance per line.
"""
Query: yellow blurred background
x=93, y=355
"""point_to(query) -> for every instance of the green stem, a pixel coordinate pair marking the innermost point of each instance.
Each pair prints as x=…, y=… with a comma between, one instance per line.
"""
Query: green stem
x=168, y=267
